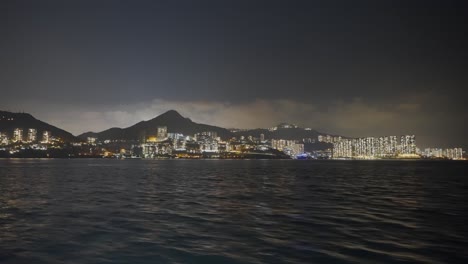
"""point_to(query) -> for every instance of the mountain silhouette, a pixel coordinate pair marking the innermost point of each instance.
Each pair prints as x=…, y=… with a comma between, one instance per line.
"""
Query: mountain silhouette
x=171, y=119
x=176, y=123
x=10, y=121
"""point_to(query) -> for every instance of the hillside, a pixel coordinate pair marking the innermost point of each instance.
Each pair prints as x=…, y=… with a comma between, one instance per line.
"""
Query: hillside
x=10, y=121
x=174, y=122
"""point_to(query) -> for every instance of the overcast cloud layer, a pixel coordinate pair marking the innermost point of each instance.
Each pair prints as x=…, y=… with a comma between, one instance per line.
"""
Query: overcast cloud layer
x=355, y=118
x=354, y=68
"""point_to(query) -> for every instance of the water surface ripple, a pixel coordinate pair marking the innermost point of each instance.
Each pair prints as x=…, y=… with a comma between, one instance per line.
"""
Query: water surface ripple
x=240, y=211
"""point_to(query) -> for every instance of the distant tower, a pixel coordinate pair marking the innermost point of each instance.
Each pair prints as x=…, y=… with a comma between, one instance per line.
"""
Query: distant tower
x=3, y=139
x=32, y=135
x=91, y=140
x=46, y=137
x=18, y=135
x=262, y=137
x=162, y=132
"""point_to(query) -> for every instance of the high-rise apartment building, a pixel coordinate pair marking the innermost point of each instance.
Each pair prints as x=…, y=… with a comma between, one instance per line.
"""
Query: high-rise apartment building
x=3, y=139
x=32, y=135
x=46, y=137
x=18, y=135
x=162, y=133
x=372, y=147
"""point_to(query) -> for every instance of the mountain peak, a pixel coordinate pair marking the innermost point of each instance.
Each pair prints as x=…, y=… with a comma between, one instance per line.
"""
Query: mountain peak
x=167, y=118
x=171, y=114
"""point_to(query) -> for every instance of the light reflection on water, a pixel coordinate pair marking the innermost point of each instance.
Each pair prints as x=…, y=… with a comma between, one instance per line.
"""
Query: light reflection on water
x=199, y=211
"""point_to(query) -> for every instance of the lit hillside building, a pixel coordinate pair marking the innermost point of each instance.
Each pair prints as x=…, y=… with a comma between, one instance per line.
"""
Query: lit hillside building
x=32, y=135
x=18, y=135
x=46, y=136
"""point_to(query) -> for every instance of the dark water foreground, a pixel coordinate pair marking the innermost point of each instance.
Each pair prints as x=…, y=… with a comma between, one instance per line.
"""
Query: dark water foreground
x=213, y=211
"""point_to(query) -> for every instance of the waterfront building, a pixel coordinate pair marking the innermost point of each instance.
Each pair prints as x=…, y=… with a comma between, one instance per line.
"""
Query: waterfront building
x=290, y=147
x=391, y=145
x=375, y=147
x=3, y=139
x=157, y=149
x=281, y=144
x=407, y=144
x=432, y=153
x=343, y=149
x=294, y=150
x=453, y=153
x=458, y=153
x=297, y=149
x=438, y=153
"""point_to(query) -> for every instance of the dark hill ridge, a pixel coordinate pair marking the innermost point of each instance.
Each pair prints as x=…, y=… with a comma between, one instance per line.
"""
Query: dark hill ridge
x=281, y=133
x=10, y=121
x=174, y=122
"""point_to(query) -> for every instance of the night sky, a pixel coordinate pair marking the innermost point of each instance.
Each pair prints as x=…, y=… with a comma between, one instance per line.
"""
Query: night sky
x=354, y=68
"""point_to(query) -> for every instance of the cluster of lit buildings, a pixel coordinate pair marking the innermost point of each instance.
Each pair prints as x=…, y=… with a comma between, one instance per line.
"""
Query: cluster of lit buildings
x=209, y=144
x=19, y=136
x=388, y=147
x=289, y=147
x=438, y=153
x=328, y=138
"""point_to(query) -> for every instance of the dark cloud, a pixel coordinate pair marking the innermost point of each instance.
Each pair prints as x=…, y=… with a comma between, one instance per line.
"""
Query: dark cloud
x=348, y=67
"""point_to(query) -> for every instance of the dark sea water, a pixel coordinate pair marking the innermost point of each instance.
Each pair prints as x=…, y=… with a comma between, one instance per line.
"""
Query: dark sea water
x=239, y=211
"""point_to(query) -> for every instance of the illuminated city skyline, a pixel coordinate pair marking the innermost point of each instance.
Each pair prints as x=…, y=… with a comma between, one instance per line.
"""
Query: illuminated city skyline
x=157, y=142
